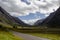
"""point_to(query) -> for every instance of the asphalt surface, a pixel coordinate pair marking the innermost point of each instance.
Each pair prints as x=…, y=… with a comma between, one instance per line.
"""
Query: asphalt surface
x=27, y=36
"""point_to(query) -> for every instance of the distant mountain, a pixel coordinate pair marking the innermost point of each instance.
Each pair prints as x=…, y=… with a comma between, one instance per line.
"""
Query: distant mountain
x=53, y=20
x=6, y=18
x=38, y=23
x=21, y=23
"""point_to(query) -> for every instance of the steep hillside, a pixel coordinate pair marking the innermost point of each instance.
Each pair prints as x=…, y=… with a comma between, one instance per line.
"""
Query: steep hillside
x=38, y=23
x=6, y=18
x=53, y=20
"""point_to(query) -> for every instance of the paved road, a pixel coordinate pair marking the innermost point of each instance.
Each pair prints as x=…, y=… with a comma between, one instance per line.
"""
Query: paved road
x=27, y=36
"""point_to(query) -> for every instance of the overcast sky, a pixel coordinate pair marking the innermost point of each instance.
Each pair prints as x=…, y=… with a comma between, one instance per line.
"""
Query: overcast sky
x=30, y=10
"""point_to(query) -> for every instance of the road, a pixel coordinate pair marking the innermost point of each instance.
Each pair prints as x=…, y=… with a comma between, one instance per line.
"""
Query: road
x=27, y=36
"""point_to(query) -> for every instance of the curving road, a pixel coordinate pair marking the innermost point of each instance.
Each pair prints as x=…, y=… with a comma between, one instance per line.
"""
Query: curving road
x=27, y=36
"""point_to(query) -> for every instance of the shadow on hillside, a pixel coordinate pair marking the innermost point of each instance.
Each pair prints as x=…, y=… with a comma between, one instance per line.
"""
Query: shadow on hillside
x=3, y=28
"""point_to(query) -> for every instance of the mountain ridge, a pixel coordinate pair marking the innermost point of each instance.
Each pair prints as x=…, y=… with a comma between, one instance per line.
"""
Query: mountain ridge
x=52, y=20
x=5, y=17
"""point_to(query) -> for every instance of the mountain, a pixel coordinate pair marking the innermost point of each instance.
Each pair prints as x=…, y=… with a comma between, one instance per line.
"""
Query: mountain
x=6, y=18
x=38, y=23
x=53, y=20
x=21, y=23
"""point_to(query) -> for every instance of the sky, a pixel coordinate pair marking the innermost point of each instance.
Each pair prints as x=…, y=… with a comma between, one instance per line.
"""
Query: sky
x=30, y=11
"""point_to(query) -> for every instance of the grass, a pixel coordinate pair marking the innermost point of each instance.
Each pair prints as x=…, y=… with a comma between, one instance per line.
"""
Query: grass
x=51, y=33
x=5, y=25
x=49, y=36
x=4, y=35
x=33, y=31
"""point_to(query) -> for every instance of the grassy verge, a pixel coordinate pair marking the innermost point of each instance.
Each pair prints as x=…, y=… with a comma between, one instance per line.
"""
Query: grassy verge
x=49, y=36
x=8, y=36
x=5, y=34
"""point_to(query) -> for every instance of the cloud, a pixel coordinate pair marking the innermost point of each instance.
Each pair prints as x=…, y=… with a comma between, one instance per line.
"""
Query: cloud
x=19, y=8
x=31, y=22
